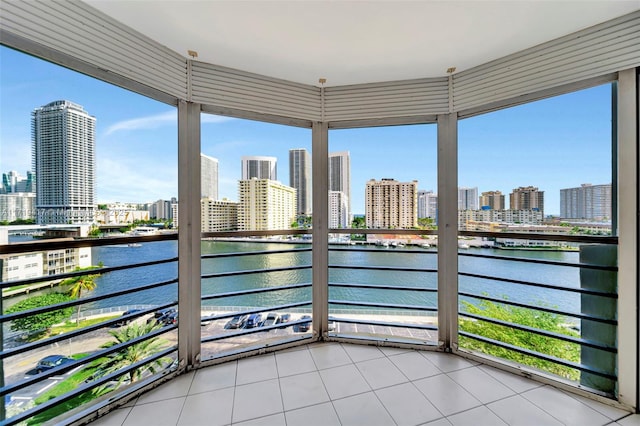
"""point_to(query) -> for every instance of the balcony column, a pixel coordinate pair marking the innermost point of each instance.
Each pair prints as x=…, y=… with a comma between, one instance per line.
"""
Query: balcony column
x=448, y=231
x=628, y=228
x=189, y=292
x=320, y=221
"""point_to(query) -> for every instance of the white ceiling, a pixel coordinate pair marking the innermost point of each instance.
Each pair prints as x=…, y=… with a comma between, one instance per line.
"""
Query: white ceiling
x=349, y=42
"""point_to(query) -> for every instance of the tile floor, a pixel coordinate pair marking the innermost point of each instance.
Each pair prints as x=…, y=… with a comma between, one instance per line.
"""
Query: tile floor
x=329, y=384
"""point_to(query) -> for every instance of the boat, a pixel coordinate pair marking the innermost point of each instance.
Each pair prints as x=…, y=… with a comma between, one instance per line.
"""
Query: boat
x=463, y=246
x=144, y=230
x=425, y=245
x=134, y=245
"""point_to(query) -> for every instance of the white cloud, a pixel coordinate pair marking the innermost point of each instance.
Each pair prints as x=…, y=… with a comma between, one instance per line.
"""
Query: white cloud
x=158, y=120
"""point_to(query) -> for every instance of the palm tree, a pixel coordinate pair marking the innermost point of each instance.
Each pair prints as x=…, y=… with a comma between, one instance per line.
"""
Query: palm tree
x=134, y=353
x=78, y=285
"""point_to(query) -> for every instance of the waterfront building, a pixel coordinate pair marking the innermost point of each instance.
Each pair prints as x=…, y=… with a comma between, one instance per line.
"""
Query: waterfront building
x=63, y=142
x=19, y=205
x=162, y=209
x=427, y=204
x=468, y=219
x=265, y=205
x=114, y=215
x=300, y=178
x=391, y=204
x=340, y=176
x=259, y=167
x=13, y=183
x=493, y=200
x=218, y=215
x=43, y=263
x=467, y=198
x=338, y=210
x=208, y=177
x=586, y=202
x=527, y=198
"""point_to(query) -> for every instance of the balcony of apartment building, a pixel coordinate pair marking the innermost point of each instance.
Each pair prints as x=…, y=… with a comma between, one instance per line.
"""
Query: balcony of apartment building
x=326, y=326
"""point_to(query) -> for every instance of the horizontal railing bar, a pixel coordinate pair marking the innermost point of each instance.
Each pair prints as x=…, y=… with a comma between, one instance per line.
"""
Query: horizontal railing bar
x=539, y=355
x=35, y=311
x=64, y=243
x=549, y=286
x=249, y=234
x=254, y=291
x=546, y=237
x=384, y=305
x=256, y=311
x=25, y=415
x=383, y=287
x=385, y=324
x=254, y=253
x=382, y=251
x=96, y=271
x=70, y=334
x=382, y=268
x=559, y=336
x=540, y=308
x=254, y=271
x=540, y=261
x=383, y=231
x=82, y=361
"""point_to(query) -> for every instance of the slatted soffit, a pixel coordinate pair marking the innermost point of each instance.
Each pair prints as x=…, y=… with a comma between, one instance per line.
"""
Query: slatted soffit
x=90, y=41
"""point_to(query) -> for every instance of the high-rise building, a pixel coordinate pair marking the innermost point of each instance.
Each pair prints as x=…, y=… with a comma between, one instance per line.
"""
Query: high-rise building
x=208, y=177
x=586, y=202
x=468, y=198
x=492, y=200
x=300, y=178
x=427, y=204
x=340, y=176
x=17, y=196
x=259, y=167
x=64, y=137
x=338, y=214
x=265, y=205
x=391, y=204
x=218, y=215
x=527, y=198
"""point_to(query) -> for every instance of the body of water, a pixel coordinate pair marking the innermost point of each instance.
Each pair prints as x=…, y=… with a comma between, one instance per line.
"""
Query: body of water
x=417, y=258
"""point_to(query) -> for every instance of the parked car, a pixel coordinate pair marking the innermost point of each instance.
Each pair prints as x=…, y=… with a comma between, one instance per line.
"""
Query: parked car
x=285, y=318
x=237, y=322
x=271, y=319
x=127, y=320
x=160, y=314
x=51, y=361
x=169, y=319
x=254, y=320
x=303, y=327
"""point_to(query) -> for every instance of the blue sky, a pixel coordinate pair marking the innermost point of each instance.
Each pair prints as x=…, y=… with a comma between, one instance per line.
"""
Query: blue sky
x=556, y=143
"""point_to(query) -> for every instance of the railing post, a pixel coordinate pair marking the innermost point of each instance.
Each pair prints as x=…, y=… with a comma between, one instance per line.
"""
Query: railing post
x=320, y=220
x=189, y=292
x=448, y=231
x=628, y=217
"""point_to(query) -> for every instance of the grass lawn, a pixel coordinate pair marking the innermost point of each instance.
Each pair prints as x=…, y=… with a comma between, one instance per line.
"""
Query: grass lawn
x=71, y=324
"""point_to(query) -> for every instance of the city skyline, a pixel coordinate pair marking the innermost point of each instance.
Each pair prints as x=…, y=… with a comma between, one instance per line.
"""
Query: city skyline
x=527, y=145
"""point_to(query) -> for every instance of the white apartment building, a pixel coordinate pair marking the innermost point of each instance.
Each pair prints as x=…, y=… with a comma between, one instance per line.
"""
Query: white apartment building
x=265, y=205
x=218, y=215
x=21, y=266
x=427, y=204
x=114, y=216
x=63, y=142
x=300, y=178
x=586, y=202
x=208, y=177
x=468, y=198
x=259, y=167
x=338, y=210
x=19, y=205
x=468, y=219
x=391, y=204
x=43, y=263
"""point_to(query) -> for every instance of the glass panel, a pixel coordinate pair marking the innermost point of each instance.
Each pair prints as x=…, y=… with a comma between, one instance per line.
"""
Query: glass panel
x=86, y=159
x=537, y=299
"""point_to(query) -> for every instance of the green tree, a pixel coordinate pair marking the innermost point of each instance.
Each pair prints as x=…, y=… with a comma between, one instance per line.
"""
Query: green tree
x=358, y=222
x=43, y=321
x=78, y=285
x=523, y=339
x=134, y=353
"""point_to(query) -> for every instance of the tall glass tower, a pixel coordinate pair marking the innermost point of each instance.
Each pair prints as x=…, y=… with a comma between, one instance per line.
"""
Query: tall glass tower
x=259, y=167
x=208, y=177
x=300, y=178
x=64, y=138
x=340, y=176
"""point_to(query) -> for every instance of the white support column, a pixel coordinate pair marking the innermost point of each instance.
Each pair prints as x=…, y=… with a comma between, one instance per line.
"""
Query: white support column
x=189, y=234
x=320, y=256
x=628, y=215
x=448, y=231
